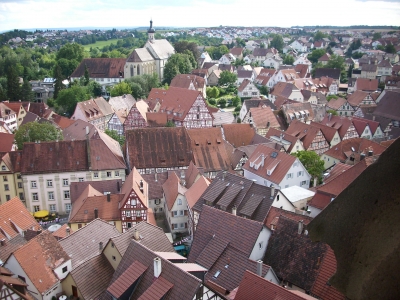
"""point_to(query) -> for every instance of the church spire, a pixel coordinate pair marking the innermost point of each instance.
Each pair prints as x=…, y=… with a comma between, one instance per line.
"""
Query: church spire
x=151, y=32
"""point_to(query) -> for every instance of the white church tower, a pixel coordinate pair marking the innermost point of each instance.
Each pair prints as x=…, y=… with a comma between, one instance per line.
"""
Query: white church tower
x=151, y=32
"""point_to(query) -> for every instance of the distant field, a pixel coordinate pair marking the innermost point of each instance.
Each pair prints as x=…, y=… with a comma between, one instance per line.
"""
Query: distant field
x=100, y=44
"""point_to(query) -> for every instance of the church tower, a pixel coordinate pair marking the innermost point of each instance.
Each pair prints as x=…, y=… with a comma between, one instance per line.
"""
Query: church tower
x=151, y=32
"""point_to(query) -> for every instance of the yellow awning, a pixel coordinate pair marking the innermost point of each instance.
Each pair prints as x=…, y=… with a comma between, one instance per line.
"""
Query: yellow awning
x=41, y=214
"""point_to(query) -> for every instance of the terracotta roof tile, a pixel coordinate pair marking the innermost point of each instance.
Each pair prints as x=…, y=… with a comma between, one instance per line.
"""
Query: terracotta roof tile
x=103, y=186
x=157, y=290
x=101, y=68
x=264, y=116
x=293, y=256
x=337, y=169
x=62, y=232
x=158, y=147
x=155, y=182
x=238, y=134
x=255, y=287
x=327, y=72
x=62, y=122
x=389, y=106
x=84, y=243
x=342, y=124
x=336, y=103
x=196, y=190
x=11, y=246
x=185, y=285
x=92, y=276
x=132, y=183
x=208, y=149
x=7, y=142
x=172, y=188
x=184, y=81
x=274, y=214
x=152, y=237
x=39, y=257
x=305, y=132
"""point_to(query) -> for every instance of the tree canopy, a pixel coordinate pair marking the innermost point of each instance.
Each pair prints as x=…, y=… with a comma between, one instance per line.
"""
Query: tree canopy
x=315, y=55
x=33, y=131
x=312, y=162
x=114, y=135
x=142, y=85
x=68, y=98
x=289, y=60
x=227, y=77
x=277, y=42
x=122, y=88
x=179, y=63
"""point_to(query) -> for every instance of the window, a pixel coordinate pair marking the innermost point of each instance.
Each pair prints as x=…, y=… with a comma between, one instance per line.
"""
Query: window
x=182, y=225
x=181, y=212
x=68, y=208
x=5, y=178
x=303, y=182
x=96, y=174
x=129, y=224
x=289, y=175
x=66, y=194
x=65, y=269
x=179, y=201
x=8, y=197
x=3, y=168
x=175, y=213
x=81, y=179
x=114, y=258
x=20, y=185
x=50, y=195
x=116, y=173
x=157, y=202
x=21, y=196
x=33, y=184
x=49, y=183
x=128, y=213
x=35, y=197
x=108, y=174
x=36, y=208
x=52, y=208
x=6, y=187
x=174, y=226
x=65, y=182
x=112, y=245
x=260, y=245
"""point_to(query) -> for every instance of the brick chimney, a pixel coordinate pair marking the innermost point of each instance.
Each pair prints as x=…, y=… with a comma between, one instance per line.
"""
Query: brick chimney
x=108, y=197
x=157, y=267
x=96, y=213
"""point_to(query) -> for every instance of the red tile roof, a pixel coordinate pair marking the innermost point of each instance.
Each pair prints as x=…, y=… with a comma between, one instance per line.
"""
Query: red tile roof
x=357, y=97
x=255, y=287
x=365, y=84
x=264, y=117
x=342, y=124
x=132, y=182
x=305, y=132
x=321, y=288
x=61, y=232
x=184, y=81
x=337, y=169
x=172, y=188
x=101, y=68
x=196, y=190
x=158, y=147
x=7, y=142
x=274, y=214
x=282, y=160
x=238, y=134
x=39, y=257
x=157, y=290
x=208, y=149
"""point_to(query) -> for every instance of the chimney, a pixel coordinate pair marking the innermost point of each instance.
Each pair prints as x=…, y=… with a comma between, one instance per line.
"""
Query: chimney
x=108, y=197
x=300, y=227
x=88, y=148
x=155, y=177
x=262, y=160
x=157, y=267
x=329, y=116
x=259, y=267
x=370, y=151
x=362, y=155
x=234, y=210
x=67, y=231
x=223, y=175
x=272, y=190
x=100, y=246
x=136, y=235
x=96, y=213
x=118, y=187
x=3, y=242
x=373, y=118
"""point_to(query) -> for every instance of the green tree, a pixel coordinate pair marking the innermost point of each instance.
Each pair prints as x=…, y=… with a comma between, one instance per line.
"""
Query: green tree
x=26, y=91
x=142, y=85
x=332, y=111
x=227, y=78
x=222, y=103
x=376, y=36
x=13, y=88
x=69, y=57
x=68, y=98
x=181, y=46
x=33, y=131
x=122, y=88
x=212, y=92
x=390, y=49
x=277, y=42
x=289, y=60
x=178, y=63
x=319, y=35
x=312, y=162
x=86, y=76
x=114, y=135
x=170, y=124
x=315, y=55
x=337, y=62
x=57, y=75
x=263, y=90
x=330, y=97
x=240, y=42
x=235, y=102
x=94, y=89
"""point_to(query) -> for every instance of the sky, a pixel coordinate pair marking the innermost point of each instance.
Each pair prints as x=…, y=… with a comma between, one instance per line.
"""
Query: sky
x=43, y=14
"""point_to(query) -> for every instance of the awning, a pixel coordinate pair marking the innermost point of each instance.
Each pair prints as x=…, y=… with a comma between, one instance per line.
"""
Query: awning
x=41, y=214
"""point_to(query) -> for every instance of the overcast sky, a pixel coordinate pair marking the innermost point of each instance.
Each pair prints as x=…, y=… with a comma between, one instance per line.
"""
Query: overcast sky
x=23, y=14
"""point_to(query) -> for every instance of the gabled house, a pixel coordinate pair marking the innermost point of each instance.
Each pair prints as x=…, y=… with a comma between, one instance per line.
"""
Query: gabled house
x=44, y=273
x=344, y=126
x=12, y=287
x=265, y=78
x=324, y=58
x=137, y=116
x=331, y=134
x=117, y=121
x=190, y=82
x=277, y=169
x=146, y=234
x=341, y=106
x=250, y=103
x=290, y=143
x=299, y=46
x=10, y=173
x=161, y=149
x=286, y=90
x=227, y=253
x=134, y=205
x=302, y=112
x=124, y=102
x=19, y=109
x=183, y=107
x=286, y=75
x=237, y=52
x=214, y=77
x=350, y=151
x=193, y=194
x=328, y=72
x=384, y=68
x=8, y=116
x=175, y=205
x=248, y=89
x=262, y=119
x=227, y=59
x=47, y=178
x=311, y=137
x=243, y=75
x=95, y=111
x=366, y=85
x=273, y=62
x=209, y=150
x=369, y=71
x=326, y=85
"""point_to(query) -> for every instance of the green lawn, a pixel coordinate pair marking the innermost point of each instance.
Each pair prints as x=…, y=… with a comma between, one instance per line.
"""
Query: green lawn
x=100, y=44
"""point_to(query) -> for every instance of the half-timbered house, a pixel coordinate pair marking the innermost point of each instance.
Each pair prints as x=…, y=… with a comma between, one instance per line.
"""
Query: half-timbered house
x=133, y=207
x=185, y=108
x=136, y=117
x=344, y=126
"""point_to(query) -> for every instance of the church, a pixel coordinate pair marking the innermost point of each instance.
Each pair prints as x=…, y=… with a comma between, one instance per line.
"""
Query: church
x=150, y=59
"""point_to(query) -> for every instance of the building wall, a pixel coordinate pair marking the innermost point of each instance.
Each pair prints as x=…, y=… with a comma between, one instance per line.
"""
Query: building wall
x=281, y=201
x=181, y=219
x=112, y=254
x=261, y=244
x=67, y=284
x=314, y=211
x=9, y=183
x=328, y=161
